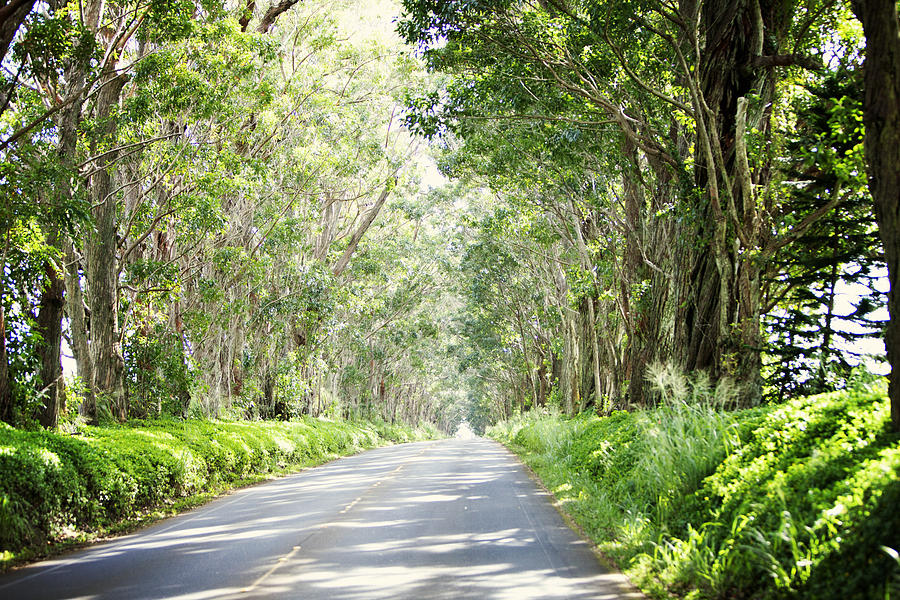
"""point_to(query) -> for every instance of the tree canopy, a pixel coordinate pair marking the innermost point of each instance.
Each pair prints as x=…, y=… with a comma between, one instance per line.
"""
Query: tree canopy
x=234, y=211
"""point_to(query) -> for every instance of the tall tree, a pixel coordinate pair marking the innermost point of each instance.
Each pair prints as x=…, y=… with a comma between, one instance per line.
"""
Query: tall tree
x=684, y=94
x=882, y=119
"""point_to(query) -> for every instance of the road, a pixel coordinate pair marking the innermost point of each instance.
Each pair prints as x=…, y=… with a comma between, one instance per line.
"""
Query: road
x=431, y=520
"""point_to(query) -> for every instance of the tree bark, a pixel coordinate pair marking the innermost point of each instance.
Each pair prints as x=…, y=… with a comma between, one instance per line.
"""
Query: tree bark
x=12, y=15
x=102, y=267
x=275, y=11
x=719, y=324
x=68, y=121
x=78, y=326
x=881, y=116
x=599, y=401
x=344, y=260
x=589, y=314
x=635, y=310
x=728, y=30
x=825, y=350
x=49, y=326
x=5, y=386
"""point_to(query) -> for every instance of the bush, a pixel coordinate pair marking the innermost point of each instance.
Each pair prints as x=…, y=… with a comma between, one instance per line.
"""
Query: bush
x=55, y=486
x=796, y=500
x=805, y=479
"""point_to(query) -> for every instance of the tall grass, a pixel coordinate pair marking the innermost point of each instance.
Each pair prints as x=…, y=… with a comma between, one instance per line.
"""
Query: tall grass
x=698, y=502
x=691, y=435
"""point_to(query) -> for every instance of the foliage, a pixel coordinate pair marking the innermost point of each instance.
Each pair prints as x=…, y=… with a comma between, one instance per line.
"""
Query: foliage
x=218, y=189
x=157, y=377
x=773, y=502
x=56, y=486
x=697, y=193
x=817, y=323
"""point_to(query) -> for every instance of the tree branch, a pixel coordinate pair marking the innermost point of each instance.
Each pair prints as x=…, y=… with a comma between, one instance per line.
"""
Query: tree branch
x=244, y=21
x=807, y=222
x=275, y=11
x=363, y=227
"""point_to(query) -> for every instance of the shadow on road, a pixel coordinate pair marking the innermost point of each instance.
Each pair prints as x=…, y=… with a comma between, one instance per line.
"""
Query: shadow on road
x=449, y=519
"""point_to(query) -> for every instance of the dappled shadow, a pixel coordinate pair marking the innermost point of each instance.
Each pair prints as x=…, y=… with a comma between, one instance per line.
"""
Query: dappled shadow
x=450, y=519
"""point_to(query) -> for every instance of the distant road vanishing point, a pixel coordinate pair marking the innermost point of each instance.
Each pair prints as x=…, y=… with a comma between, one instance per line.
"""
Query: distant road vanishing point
x=433, y=520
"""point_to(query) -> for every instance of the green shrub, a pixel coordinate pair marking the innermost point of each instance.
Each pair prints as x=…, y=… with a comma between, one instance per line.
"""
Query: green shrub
x=861, y=566
x=54, y=486
x=805, y=479
x=791, y=501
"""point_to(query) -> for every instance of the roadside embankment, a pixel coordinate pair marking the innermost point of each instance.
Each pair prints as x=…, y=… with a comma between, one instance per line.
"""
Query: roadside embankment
x=797, y=500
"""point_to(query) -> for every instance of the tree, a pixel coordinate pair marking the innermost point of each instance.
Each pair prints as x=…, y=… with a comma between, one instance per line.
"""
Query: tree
x=685, y=97
x=804, y=322
x=201, y=183
x=882, y=119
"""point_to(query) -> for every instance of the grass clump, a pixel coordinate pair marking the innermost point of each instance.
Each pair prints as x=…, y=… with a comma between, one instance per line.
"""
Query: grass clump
x=57, y=488
x=790, y=501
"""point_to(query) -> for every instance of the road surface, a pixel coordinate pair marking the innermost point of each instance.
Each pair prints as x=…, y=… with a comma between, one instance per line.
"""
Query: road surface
x=447, y=519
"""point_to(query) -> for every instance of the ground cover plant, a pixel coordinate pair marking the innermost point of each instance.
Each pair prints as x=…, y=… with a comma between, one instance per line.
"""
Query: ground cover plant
x=75, y=486
x=787, y=501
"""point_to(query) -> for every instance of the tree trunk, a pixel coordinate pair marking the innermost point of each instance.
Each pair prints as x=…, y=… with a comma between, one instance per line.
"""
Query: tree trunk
x=68, y=122
x=184, y=392
x=49, y=326
x=589, y=330
x=881, y=116
x=78, y=326
x=367, y=220
x=719, y=324
x=728, y=30
x=12, y=14
x=267, y=402
x=102, y=267
x=825, y=350
x=599, y=402
x=5, y=387
x=635, y=310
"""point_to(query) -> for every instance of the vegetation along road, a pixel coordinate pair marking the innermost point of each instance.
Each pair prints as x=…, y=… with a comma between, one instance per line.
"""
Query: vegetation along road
x=650, y=246
x=446, y=519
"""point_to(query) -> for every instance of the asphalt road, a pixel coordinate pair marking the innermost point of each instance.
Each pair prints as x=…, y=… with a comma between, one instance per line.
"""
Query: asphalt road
x=447, y=519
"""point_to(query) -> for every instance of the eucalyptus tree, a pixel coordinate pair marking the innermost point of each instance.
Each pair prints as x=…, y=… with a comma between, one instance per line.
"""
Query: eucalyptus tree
x=686, y=95
x=72, y=63
x=605, y=249
x=526, y=321
x=213, y=175
x=267, y=302
x=169, y=136
x=387, y=351
x=180, y=199
x=498, y=310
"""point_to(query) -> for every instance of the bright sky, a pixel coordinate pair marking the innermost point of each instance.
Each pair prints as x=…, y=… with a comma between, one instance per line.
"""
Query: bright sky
x=845, y=303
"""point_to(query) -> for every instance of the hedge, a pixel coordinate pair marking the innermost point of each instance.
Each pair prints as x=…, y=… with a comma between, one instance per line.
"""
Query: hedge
x=56, y=486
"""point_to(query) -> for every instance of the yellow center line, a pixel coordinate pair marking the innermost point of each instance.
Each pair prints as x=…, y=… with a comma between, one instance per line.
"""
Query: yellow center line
x=346, y=509
x=273, y=568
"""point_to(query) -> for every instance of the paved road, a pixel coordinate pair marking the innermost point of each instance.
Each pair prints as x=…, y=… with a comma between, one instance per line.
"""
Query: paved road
x=448, y=519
